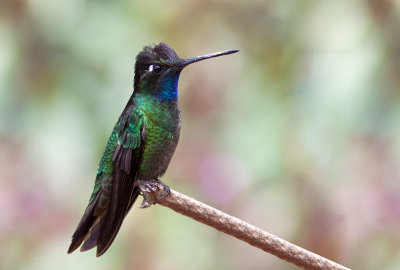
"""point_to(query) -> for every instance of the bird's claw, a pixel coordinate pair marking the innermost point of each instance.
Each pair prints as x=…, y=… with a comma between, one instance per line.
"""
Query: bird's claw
x=153, y=192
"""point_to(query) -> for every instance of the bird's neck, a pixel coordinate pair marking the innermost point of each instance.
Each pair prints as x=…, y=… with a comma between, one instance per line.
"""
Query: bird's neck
x=167, y=89
x=164, y=113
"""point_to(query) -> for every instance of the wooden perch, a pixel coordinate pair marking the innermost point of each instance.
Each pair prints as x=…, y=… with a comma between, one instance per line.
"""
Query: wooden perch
x=236, y=227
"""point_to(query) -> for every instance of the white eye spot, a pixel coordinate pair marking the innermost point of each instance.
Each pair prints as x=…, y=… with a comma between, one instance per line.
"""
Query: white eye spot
x=155, y=68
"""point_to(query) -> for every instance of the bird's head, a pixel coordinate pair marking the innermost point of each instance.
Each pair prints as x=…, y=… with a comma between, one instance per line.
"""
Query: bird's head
x=157, y=70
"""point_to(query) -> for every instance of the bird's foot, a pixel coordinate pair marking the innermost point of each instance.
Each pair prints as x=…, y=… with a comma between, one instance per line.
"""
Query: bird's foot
x=153, y=191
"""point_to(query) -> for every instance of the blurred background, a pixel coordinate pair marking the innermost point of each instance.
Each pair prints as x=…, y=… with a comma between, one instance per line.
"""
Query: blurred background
x=297, y=134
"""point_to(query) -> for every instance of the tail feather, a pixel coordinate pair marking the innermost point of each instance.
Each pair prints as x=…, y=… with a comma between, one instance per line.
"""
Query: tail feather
x=84, y=225
x=100, y=231
x=90, y=240
x=106, y=239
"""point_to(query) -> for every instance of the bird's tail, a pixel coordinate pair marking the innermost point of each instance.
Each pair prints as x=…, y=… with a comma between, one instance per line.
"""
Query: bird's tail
x=99, y=228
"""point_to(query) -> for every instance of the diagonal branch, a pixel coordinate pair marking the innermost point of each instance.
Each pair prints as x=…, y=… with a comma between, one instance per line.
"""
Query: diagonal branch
x=237, y=228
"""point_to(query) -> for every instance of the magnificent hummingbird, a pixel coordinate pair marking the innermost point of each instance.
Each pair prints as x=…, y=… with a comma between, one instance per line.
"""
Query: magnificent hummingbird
x=140, y=147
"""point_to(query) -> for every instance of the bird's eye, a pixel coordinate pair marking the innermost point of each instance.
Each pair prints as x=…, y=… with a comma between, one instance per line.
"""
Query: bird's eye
x=155, y=68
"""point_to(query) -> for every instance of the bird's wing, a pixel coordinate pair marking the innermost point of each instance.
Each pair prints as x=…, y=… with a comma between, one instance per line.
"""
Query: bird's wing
x=114, y=190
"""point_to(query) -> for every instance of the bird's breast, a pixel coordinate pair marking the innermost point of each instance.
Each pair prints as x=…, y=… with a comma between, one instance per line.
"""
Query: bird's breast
x=162, y=129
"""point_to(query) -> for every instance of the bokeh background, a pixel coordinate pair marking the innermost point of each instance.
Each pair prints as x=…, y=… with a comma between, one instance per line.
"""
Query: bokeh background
x=298, y=133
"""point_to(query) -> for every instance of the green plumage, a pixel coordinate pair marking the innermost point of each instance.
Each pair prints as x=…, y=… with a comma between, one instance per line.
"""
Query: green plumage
x=140, y=147
x=126, y=134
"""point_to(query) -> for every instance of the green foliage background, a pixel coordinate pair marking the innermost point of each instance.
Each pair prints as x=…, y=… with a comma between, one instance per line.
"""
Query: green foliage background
x=298, y=133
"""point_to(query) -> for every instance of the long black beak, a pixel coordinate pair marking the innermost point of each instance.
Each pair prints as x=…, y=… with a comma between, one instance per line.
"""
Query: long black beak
x=207, y=56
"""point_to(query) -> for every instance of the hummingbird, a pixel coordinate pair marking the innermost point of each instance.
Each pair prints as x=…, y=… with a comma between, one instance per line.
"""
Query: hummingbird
x=140, y=147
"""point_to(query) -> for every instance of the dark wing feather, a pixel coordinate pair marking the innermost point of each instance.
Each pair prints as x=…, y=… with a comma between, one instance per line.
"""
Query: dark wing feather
x=115, y=190
x=111, y=228
x=123, y=189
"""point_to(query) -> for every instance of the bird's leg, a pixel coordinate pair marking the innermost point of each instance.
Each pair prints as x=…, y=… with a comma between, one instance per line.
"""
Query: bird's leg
x=153, y=191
